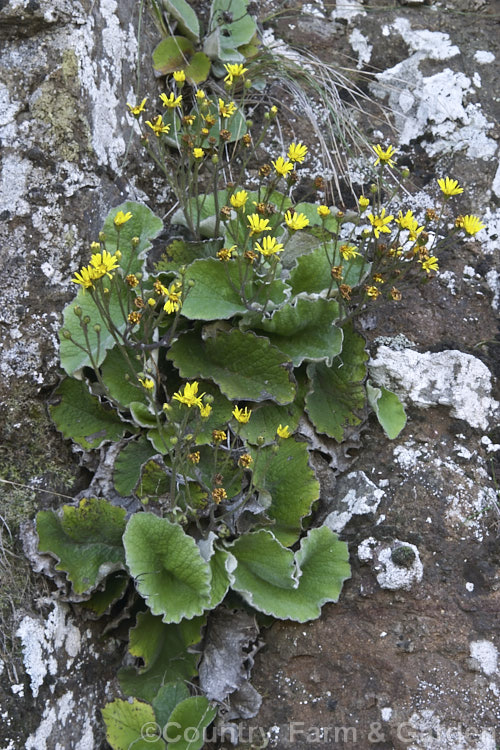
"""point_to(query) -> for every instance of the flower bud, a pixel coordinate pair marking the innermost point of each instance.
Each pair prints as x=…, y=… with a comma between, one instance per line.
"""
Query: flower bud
x=66, y=334
x=102, y=237
x=261, y=440
x=86, y=319
x=173, y=441
x=97, y=328
x=135, y=241
x=78, y=311
x=373, y=188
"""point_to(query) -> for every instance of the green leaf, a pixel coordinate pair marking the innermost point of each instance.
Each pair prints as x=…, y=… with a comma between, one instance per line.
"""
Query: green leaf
x=388, y=408
x=125, y=723
x=164, y=652
x=166, y=700
x=265, y=574
x=244, y=366
x=87, y=540
x=324, y=563
x=167, y=566
x=215, y=294
x=290, y=587
x=143, y=225
x=312, y=274
x=186, y=18
x=202, y=211
x=113, y=372
x=154, y=481
x=198, y=69
x=305, y=330
x=265, y=419
x=182, y=253
x=171, y=54
x=100, y=602
x=222, y=564
x=227, y=33
x=142, y=415
x=219, y=416
x=300, y=243
x=337, y=397
x=285, y=473
x=188, y=722
x=81, y=416
x=160, y=438
x=128, y=465
x=310, y=210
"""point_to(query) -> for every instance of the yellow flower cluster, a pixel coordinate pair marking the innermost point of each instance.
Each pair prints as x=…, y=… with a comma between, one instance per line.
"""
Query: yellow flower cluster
x=101, y=264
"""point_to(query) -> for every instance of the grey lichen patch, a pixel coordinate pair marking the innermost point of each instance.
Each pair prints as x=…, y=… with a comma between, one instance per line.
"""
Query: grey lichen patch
x=356, y=495
x=57, y=104
x=450, y=378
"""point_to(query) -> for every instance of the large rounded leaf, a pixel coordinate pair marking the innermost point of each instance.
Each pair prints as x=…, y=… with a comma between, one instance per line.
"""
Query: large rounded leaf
x=244, y=366
x=168, y=568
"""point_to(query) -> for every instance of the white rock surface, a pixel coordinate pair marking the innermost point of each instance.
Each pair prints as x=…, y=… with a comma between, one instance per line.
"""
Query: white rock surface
x=486, y=653
x=450, y=378
x=392, y=576
x=356, y=496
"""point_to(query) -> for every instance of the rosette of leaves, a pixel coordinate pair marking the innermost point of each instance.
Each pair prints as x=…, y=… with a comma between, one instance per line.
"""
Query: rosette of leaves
x=279, y=346
x=231, y=37
x=285, y=353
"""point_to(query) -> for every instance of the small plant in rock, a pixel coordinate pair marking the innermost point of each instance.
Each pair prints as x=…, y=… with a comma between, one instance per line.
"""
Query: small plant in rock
x=208, y=376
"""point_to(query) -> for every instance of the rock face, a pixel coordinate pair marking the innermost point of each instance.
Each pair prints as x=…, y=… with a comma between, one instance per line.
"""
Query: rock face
x=414, y=663
x=449, y=378
x=67, y=69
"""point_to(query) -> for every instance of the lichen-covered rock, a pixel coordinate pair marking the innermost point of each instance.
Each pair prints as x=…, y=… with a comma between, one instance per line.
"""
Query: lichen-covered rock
x=450, y=378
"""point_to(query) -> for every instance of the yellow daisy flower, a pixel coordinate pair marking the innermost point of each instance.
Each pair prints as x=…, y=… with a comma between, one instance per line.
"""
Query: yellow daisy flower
x=380, y=222
x=85, y=277
x=296, y=221
x=103, y=264
x=283, y=432
x=234, y=70
x=239, y=199
x=205, y=410
x=190, y=395
x=157, y=126
x=119, y=219
x=138, y=108
x=226, y=110
x=172, y=101
x=174, y=301
x=430, y=264
x=242, y=415
x=450, y=187
x=472, y=224
x=282, y=166
x=384, y=157
x=297, y=152
x=257, y=224
x=348, y=252
x=269, y=246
